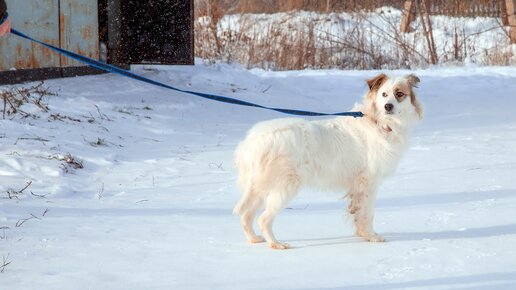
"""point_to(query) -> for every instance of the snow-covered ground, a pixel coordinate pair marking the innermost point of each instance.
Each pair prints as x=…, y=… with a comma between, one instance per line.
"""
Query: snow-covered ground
x=151, y=209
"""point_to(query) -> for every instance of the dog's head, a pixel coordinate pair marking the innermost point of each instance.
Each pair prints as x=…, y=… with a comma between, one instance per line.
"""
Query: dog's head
x=393, y=98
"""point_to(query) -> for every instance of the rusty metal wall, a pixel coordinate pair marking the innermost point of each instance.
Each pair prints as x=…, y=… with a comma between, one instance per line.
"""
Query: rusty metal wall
x=79, y=29
x=38, y=18
x=70, y=24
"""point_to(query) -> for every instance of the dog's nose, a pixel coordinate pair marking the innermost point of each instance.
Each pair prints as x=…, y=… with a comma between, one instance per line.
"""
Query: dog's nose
x=389, y=107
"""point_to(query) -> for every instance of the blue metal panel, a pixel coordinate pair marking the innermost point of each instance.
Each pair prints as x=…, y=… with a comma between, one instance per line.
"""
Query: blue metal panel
x=79, y=29
x=40, y=19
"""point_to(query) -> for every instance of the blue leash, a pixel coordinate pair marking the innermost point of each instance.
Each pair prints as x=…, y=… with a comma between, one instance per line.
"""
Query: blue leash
x=113, y=69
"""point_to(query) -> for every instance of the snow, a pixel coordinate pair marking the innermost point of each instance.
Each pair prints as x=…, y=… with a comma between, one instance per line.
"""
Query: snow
x=151, y=209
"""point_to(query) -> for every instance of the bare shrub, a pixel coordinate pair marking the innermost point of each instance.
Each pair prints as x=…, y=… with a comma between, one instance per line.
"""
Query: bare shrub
x=500, y=56
x=292, y=44
x=360, y=40
x=15, y=98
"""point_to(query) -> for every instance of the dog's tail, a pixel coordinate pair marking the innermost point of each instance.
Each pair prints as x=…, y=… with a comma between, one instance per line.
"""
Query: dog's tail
x=251, y=159
x=244, y=164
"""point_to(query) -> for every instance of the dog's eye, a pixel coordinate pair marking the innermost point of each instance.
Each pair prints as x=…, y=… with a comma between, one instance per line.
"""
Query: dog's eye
x=384, y=95
x=400, y=95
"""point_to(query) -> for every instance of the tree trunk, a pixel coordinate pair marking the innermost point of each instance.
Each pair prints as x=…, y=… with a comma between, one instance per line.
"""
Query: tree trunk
x=503, y=8
x=408, y=16
x=511, y=17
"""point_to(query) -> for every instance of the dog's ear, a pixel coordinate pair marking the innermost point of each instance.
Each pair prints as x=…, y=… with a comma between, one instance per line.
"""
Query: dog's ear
x=413, y=80
x=375, y=83
x=419, y=109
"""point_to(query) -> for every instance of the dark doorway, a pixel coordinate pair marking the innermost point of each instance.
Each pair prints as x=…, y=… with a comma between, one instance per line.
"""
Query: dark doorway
x=147, y=31
x=103, y=30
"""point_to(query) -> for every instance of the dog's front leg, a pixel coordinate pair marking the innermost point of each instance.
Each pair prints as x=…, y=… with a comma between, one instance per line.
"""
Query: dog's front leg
x=363, y=197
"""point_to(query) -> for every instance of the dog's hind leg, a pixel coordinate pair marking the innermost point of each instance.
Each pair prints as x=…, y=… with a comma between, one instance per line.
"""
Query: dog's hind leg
x=247, y=209
x=276, y=201
x=247, y=219
x=272, y=207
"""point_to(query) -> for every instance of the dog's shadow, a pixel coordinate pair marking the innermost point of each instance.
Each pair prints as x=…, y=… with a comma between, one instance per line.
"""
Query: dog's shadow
x=468, y=233
x=321, y=242
x=483, y=232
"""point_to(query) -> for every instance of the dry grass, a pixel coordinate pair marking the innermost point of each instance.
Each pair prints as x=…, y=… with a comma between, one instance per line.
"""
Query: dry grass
x=290, y=44
x=467, y=8
x=15, y=98
x=298, y=47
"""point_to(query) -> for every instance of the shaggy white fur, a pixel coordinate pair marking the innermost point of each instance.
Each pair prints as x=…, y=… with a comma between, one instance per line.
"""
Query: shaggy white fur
x=343, y=154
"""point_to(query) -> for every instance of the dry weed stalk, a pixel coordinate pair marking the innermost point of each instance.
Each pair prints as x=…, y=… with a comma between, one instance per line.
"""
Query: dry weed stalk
x=13, y=194
x=3, y=236
x=15, y=98
x=20, y=222
x=68, y=162
x=5, y=262
x=59, y=117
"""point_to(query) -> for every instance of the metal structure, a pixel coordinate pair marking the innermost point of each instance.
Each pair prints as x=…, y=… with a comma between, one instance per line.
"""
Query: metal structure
x=134, y=31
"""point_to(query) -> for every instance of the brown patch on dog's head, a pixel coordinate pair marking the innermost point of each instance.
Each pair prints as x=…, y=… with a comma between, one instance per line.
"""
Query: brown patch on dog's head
x=413, y=81
x=370, y=99
x=376, y=82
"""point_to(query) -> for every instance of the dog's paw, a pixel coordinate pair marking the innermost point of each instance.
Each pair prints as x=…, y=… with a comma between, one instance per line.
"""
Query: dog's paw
x=279, y=246
x=376, y=238
x=256, y=240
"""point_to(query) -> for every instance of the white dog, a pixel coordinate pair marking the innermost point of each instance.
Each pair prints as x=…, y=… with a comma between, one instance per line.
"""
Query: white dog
x=343, y=154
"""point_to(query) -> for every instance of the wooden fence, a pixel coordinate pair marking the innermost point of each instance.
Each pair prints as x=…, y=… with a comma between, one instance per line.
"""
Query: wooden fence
x=469, y=8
